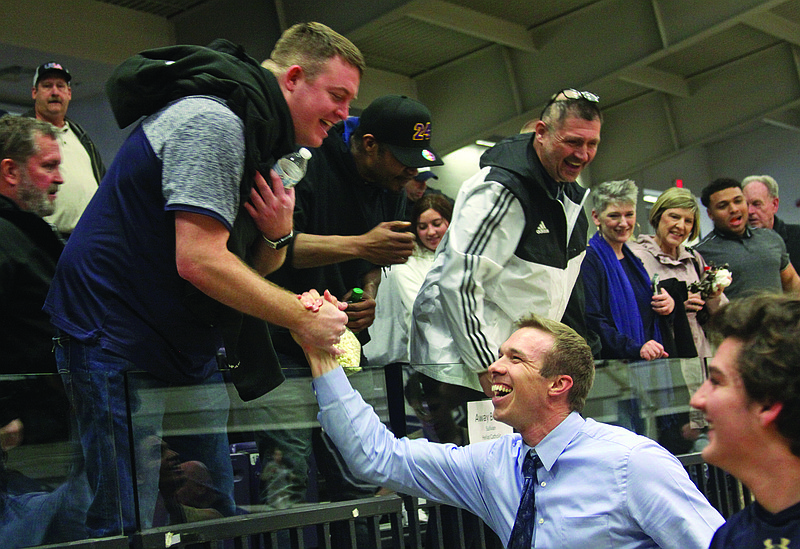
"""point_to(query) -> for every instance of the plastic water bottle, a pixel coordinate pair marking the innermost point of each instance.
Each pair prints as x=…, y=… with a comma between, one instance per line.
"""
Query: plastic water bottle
x=292, y=167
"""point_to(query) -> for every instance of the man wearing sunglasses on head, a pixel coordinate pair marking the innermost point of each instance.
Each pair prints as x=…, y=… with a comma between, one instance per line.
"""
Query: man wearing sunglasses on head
x=515, y=243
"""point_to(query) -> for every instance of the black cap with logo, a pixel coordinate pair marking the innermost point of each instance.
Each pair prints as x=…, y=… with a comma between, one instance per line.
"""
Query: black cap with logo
x=404, y=126
x=51, y=69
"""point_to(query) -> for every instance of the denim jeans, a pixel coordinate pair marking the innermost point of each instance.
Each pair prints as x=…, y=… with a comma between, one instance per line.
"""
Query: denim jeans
x=40, y=517
x=100, y=385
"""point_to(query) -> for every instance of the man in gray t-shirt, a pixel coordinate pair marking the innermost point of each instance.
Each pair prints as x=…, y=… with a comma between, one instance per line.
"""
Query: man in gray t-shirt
x=757, y=257
x=168, y=260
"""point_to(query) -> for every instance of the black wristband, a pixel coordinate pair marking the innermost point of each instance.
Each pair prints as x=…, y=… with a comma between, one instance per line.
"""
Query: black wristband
x=280, y=243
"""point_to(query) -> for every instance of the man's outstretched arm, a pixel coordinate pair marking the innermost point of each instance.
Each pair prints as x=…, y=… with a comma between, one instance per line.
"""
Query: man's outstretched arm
x=439, y=472
x=203, y=259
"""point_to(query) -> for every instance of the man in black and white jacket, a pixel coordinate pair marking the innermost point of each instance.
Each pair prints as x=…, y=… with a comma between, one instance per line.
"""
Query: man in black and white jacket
x=515, y=244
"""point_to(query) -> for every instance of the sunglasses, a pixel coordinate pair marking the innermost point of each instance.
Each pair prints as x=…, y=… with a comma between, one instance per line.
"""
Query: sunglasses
x=570, y=93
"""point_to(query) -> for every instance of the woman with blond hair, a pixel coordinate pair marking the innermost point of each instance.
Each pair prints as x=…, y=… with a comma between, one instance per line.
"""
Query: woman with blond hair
x=675, y=216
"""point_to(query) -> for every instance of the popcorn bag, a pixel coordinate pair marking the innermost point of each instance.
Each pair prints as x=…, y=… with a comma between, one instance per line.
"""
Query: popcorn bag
x=350, y=359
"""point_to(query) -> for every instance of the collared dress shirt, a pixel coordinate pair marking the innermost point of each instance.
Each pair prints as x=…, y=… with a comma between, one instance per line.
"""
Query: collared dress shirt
x=599, y=486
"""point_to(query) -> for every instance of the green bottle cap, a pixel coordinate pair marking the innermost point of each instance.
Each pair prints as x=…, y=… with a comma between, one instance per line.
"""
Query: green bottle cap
x=356, y=295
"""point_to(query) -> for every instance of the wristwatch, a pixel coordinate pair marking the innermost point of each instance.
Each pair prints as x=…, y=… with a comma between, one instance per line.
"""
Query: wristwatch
x=280, y=243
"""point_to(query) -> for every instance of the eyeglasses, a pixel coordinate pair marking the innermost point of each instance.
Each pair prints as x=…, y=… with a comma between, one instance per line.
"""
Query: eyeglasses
x=570, y=93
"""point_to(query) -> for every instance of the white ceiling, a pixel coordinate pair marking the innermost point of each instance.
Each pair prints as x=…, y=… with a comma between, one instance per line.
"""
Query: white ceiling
x=671, y=74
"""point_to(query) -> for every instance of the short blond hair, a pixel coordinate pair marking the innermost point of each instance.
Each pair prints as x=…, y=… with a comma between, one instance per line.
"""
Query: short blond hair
x=676, y=197
x=310, y=46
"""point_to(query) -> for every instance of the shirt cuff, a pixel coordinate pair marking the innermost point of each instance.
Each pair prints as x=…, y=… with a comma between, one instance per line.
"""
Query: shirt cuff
x=331, y=387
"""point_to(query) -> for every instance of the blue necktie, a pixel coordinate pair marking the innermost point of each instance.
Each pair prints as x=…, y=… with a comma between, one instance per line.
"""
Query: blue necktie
x=522, y=534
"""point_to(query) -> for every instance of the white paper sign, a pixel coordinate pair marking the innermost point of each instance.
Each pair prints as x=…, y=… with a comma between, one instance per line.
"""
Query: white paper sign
x=481, y=424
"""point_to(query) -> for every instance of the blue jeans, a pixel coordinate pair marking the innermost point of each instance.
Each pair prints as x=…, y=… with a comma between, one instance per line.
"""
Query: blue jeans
x=100, y=385
x=29, y=518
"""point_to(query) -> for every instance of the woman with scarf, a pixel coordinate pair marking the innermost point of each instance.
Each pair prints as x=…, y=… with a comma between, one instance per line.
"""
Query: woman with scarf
x=621, y=304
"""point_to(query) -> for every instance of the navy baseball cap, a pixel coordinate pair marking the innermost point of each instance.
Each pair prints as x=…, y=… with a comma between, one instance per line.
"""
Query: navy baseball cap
x=424, y=176
x=51, y=69
x=404, y=126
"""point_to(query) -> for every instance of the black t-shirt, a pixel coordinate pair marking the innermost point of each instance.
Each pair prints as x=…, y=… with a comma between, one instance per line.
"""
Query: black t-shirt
x=756, y=528
x=333, y=199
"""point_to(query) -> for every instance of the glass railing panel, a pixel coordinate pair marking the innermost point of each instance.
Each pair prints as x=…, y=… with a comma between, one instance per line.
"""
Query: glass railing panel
x=650, y=398
x=45, y=485
x=181, y=452
x=201, y=452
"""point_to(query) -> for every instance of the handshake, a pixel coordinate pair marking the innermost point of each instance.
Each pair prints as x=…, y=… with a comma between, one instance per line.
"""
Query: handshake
x=348, y=346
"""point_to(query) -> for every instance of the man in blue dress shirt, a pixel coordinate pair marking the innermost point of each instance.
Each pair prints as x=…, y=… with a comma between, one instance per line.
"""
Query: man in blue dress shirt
x=598, y=485
x=751, y=400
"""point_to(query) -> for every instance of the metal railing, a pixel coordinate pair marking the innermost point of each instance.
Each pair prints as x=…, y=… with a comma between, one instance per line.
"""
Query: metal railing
x=382, y=520
x=379, y=522
x=378, y=518
x=116, y=542
x=724, y=491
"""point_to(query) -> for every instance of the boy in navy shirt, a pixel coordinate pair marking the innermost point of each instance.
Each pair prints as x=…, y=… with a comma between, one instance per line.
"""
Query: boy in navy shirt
x=751, y=400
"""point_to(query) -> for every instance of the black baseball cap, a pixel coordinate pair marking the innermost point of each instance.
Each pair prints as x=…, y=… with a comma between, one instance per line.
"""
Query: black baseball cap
x=404, y=126
x=51, y=69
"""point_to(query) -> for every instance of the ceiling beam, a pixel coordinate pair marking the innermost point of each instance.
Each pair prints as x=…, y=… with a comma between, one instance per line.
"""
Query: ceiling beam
x=641, y=73
x=782, y=125
x=656, y=79
x=662, y=29
x=673, y=130
x=774, y=25
x=796, y=58
x=769, y=117
x=512, y=80
x=470, y=22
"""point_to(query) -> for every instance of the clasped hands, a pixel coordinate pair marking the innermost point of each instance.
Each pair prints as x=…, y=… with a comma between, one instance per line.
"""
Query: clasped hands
x=320, y=360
